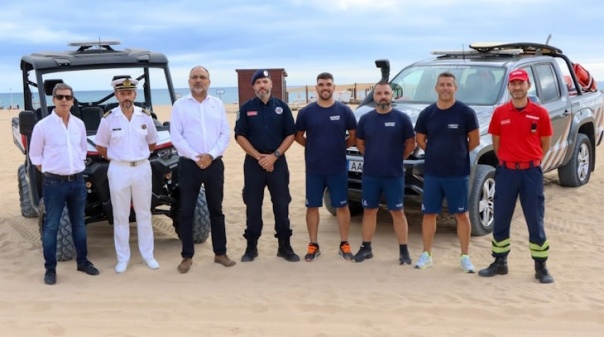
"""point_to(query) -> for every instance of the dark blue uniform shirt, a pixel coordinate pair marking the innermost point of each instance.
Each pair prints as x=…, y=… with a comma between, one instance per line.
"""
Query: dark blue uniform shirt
x=384, y=136
x=447, y=133
x=265, y=125
x=325, y=128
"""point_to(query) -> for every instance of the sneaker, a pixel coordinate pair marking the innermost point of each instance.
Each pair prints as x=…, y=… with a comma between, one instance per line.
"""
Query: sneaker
x=404, y=258
x=345, y=251
x=424, y=261
x=362, y=255
x=88, y=268
x=121, y=267
x=466, y=264
x=152, y=264
x=313, y=252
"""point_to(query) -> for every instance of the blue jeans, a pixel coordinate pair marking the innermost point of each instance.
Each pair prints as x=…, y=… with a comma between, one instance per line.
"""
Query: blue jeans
x=58, y=193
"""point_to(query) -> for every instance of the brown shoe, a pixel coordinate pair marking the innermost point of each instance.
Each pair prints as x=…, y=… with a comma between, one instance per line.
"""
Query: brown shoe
x=224, y=260
x=185, y=265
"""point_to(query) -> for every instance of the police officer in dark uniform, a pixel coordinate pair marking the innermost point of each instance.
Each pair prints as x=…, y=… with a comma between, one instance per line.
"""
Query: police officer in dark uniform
x=521, y=133
x=265, y=129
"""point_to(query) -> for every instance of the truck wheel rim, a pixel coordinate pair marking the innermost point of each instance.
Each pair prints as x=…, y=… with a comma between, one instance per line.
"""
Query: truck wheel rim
x=583, y=162
x=486, y=202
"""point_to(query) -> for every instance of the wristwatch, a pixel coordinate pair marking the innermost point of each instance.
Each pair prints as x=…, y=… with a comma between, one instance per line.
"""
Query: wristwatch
x=277, y=153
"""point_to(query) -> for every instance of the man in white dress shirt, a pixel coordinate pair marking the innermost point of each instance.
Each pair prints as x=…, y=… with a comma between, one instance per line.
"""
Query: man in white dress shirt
x=126, y=137
x=200, y=132
x=58, y=149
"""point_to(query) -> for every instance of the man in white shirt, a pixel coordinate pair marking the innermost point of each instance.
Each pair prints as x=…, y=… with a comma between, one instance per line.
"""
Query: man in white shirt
x=200, y=132
x=126, y=137
x=58, y=149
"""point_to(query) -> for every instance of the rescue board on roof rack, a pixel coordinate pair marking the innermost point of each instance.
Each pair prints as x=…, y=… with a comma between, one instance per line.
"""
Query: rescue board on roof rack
x=526, y=47
x=470, y=52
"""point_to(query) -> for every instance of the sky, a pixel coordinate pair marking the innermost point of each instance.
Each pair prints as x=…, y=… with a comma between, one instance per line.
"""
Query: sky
x=305, y=37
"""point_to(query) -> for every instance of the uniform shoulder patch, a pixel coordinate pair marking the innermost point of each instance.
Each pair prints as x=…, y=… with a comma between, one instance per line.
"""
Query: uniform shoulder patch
x=107, y=113
x=146, y=111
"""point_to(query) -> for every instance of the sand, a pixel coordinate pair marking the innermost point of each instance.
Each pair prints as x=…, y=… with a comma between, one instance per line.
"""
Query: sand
x=329, y=297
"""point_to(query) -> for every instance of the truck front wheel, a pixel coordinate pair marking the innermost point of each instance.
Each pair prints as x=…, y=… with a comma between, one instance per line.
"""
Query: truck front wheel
x=482, y=197
x=578, y=169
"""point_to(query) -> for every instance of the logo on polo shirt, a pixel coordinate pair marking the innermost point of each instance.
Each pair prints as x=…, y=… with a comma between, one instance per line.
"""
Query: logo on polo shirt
x=334, y=118
x=252, y=113
x=389, y=124
x=532, y=117
x=279, y=110
x=453, y=126
x=506, y=121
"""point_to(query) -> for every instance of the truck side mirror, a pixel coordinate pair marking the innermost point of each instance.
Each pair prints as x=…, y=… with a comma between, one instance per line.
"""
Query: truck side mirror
x=27, y=120
x=535, y=99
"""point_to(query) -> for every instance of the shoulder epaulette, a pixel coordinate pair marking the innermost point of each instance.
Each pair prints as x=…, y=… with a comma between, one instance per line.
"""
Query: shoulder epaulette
x=107, y=113
x=146, y=111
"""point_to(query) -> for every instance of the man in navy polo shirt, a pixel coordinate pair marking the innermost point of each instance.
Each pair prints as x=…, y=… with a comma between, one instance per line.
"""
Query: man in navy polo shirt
x=265, y=129
x=385, y=137
x=447, y=131
x=325, y=123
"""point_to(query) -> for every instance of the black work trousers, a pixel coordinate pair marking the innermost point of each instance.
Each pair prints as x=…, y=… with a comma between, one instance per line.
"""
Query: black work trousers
x=190, y=179
x=255, y=180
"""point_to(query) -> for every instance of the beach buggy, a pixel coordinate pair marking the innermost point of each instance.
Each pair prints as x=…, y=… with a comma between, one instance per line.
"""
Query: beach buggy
x=96, y=64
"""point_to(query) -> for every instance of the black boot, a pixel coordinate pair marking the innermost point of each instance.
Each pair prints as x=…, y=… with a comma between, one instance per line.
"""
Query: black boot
x=286, y=251
x=499, y=267
x=251, y=252
x=541, y=273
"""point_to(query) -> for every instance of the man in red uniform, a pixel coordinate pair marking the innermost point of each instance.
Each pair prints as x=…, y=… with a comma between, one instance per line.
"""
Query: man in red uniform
x=521, y=133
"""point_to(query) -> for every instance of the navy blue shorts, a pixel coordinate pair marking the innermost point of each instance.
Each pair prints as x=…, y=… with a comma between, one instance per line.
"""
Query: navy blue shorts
x=337, y=184
x=437, y=189
x=392, y=187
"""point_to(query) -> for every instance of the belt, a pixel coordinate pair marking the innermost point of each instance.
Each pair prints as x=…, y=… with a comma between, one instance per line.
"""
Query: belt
x=267, y=151
x=130, y=163
x=521, y=165
x=70, y=177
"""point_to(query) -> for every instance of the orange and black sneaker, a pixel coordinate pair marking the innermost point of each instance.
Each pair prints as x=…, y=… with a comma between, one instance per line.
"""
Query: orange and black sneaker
x=313, y=252
x=345, y=251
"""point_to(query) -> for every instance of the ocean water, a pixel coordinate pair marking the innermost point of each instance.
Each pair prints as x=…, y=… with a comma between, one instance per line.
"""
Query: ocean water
x=229, y=95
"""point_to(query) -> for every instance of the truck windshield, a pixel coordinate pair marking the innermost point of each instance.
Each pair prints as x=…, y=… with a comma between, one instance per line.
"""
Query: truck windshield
x=476, y=85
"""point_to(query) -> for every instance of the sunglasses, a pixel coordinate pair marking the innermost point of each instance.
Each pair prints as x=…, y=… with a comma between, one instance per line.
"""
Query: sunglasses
x=61, y=97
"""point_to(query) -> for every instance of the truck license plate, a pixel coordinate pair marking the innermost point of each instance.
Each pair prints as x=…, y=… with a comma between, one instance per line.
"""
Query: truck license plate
x=355, y=166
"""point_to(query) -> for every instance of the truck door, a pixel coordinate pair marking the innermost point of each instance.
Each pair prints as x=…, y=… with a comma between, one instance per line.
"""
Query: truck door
x=552, y=96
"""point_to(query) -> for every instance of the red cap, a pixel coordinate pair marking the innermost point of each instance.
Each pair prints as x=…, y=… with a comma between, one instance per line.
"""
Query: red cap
x=518, y=75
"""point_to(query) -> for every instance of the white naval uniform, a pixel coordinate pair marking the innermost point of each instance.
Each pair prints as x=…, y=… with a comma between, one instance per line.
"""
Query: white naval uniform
x=129, y=174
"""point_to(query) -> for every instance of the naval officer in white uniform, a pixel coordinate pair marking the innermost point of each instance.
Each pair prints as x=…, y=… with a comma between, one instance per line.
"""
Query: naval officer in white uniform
x=126, y=137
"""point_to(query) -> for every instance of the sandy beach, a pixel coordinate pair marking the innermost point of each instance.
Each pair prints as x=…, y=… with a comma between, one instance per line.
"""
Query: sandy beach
x=328, y=297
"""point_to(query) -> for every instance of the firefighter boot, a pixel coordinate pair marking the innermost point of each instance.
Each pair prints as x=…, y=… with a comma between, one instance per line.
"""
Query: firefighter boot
x=251, y=252
x=541, y=273
x=499, y=267
x=286, y=251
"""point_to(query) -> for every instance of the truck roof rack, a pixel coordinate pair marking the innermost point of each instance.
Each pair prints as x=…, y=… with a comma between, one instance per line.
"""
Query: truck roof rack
x=84, y=45
x=526, y=47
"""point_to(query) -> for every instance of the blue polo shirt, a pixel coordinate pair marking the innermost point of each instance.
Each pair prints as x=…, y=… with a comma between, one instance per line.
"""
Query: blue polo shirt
x=265, y=125
x=384, y=136
x=447, y=134
x=325, y=128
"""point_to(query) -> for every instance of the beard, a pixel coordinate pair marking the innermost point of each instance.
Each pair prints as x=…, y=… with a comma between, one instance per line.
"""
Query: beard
x=262, y=93
x=126, y=104
x=384, y=104
x=325, y=95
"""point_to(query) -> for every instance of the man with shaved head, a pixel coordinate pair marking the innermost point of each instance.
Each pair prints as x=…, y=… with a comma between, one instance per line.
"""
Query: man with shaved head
x=200, y=132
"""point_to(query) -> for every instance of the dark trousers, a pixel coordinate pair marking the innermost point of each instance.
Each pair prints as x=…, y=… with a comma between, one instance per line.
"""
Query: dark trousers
x=191, y=177
x=528, y=184
x=255, y=180
x=57, y=194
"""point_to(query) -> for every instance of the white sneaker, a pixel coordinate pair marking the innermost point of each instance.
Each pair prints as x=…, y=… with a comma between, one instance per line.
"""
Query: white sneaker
x=424, y=261
x=121, y=267
x=466, y=264
x=152, y=263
